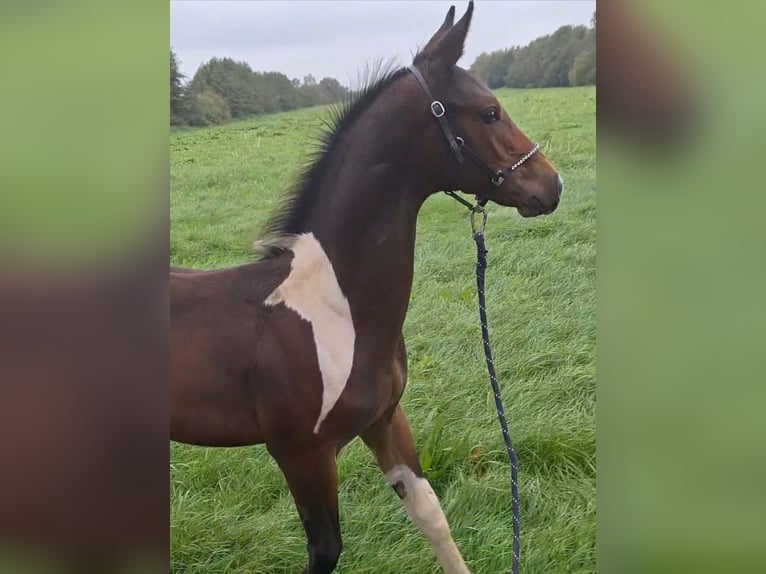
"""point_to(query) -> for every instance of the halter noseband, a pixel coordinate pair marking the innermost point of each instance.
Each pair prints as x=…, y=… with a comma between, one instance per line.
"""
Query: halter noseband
x=459, y=148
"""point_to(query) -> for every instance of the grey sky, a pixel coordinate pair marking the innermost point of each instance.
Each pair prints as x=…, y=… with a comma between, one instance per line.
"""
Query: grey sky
x=337, y=38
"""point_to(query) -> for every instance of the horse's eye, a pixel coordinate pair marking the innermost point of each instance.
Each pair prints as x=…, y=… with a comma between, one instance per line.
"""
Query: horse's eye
x=490, y=116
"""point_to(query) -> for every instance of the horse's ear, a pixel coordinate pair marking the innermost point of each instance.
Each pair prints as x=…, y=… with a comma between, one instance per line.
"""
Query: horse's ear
x=449, y=20
x=449, y=49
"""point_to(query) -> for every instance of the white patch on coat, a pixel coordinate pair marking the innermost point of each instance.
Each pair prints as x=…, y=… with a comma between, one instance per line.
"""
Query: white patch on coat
x=311, y=290
x=424, y=510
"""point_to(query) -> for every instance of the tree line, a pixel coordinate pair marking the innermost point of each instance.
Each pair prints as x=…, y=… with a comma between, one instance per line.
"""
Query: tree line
x=223, y=89
x=565, y=58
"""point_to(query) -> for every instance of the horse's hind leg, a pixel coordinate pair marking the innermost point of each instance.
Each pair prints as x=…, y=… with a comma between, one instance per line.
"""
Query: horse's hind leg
x=313, y=481
x=391, y=441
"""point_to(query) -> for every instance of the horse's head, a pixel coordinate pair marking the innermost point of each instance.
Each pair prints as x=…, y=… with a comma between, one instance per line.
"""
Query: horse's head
x=493, y=158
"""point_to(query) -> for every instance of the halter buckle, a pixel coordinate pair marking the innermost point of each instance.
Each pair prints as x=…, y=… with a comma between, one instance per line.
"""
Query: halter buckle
x=437, y=109
x=499, y=178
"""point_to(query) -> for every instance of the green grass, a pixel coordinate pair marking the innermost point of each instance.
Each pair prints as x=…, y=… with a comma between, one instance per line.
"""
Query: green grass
x=230, y=508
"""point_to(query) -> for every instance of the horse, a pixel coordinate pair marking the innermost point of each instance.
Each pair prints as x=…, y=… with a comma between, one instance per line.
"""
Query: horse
x=302, y=349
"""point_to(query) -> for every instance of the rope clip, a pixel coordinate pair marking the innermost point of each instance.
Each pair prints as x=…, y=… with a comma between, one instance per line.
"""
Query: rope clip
x=474, y=210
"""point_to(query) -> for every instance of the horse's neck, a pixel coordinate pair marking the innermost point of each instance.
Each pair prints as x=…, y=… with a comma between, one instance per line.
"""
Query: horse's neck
x=365, y=219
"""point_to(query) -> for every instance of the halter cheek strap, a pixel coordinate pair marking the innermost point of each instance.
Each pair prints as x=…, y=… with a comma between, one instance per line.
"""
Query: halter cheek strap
x=438, y=111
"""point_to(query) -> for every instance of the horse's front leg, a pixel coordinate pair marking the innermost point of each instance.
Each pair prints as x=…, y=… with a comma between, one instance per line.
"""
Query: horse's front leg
x=391, y=441
x=313, y=480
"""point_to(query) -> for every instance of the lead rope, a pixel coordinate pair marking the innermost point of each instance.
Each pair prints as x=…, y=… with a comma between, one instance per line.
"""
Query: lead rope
x=481, y=267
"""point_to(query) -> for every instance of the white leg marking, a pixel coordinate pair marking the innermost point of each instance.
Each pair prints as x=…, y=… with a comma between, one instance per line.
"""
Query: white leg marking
x=311, y=290
x=424, y=510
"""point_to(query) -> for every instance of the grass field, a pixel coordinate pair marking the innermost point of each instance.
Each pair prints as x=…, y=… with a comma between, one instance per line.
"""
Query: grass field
x=230, y=509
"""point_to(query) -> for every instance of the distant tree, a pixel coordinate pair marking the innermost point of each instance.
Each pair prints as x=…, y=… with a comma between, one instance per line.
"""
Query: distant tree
x=560, y=52
x=583, y=72
x=207, y=107
x=234, y=82
x=493, y=67
x=480, y=65
x=526, y=70
x=327, y=91
x=277, y=92
x=333, y=89
x=177, y=100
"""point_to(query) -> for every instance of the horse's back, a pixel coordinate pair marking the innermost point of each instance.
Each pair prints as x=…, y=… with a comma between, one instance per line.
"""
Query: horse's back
x=223, y=287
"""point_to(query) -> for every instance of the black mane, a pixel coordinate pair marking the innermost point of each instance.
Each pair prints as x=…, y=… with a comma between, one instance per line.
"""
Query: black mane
x=288, y=219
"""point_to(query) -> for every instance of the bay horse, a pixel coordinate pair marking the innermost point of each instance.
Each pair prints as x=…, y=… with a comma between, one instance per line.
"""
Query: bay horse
x=302, y=349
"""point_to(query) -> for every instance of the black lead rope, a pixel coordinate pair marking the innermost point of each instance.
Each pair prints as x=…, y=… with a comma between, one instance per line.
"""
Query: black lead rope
x=481, y=267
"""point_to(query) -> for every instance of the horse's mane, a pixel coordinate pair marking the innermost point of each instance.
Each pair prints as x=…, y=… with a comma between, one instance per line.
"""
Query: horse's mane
x=289, y=217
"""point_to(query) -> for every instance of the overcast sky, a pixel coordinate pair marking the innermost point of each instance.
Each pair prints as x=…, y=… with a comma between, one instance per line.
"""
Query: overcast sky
x=337, y=38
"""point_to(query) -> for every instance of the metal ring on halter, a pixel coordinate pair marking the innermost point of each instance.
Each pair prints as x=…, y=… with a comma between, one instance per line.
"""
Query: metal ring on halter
x=437, y=109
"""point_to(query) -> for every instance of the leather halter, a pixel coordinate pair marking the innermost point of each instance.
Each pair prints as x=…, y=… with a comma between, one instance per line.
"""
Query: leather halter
x=459, y=148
